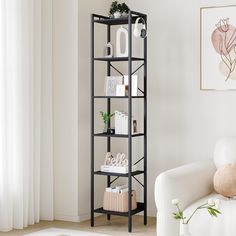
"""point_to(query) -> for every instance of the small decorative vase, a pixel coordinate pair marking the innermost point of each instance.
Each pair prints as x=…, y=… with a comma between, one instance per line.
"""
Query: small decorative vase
x=124, y=14
x=117, y=14
x=184, y=230
x=105, y=128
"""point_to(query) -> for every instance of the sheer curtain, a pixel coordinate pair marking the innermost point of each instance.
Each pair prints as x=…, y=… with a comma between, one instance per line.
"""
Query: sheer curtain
x=20, y=108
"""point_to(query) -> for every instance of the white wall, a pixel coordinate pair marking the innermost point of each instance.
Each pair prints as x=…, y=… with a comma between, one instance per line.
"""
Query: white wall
x=65, y=79
x=71, y=35
x=183, y=122
x=46, y=180
x=86, y=8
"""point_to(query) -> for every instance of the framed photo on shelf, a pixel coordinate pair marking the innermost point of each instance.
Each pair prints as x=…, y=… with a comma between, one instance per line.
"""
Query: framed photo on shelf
x=111, y=83
x=218, y=48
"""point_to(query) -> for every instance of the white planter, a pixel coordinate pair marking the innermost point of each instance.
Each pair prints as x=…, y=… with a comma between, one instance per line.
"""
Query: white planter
x=184, y=230
x=117, y=14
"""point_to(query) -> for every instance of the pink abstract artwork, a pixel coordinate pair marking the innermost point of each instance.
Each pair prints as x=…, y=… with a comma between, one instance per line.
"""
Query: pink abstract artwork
x=218, y=48
x=224, y=42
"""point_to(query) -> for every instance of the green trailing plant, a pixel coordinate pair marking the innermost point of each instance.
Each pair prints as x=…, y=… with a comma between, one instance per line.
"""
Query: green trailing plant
x=106, y=117
x=117, y=7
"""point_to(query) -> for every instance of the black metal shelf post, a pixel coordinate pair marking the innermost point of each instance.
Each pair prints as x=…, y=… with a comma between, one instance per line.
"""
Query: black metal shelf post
x=130, y=123
x=141, y=206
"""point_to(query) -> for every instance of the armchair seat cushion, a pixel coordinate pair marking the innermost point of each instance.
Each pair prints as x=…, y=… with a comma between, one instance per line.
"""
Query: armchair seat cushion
x=203, y=224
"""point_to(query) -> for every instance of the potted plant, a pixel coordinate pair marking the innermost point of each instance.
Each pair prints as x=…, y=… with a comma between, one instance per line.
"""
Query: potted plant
x=125, y=9
x=106, y=119
x=114, y=10
x=117, y=10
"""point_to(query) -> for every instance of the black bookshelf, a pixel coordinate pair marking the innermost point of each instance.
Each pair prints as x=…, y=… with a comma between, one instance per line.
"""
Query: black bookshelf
x=141, y=206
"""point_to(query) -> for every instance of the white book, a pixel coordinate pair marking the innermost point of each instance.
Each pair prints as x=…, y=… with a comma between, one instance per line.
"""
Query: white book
x=108, y=189
x=117, y=169
x=118, y=122
x=134, y=83
x=121, y=187
x=125, y=124
x=115, y=190
x=125, y=190
x=122, y=123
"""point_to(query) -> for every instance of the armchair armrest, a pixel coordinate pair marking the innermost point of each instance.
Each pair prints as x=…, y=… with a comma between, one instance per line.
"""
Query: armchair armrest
x=188, y=183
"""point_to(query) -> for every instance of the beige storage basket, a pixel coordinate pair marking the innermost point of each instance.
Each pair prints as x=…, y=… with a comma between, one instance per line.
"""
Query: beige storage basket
x=118, y=201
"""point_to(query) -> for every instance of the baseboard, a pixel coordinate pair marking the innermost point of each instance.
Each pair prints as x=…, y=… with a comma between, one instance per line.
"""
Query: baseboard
x=152, y=213
x=84, y=216
x=70, y=218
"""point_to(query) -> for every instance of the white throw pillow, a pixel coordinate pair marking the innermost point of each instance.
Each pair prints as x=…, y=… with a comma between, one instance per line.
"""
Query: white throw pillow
x=225, y=151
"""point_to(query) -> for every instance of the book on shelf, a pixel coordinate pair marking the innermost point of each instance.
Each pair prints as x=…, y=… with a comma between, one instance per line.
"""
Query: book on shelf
x=122, y=123
x=117, y=169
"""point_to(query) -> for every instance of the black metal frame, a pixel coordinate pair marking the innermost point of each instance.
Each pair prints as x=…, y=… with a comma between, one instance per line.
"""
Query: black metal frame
x=132, y=16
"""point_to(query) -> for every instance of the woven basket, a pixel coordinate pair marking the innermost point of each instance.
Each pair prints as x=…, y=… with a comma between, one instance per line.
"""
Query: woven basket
x=118, y=201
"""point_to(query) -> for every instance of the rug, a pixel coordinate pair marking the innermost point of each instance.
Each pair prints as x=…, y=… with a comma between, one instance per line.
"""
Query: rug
x=63, y=232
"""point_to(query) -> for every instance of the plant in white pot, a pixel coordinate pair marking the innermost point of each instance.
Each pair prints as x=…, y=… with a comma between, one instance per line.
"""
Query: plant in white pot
x=212, y=206
x=124, y=9
x=117, y=10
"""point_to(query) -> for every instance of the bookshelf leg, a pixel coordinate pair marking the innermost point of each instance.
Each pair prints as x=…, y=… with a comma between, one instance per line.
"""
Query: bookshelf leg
x=108, y=217
x=92, y=220
x=145, y=218
x=130, y=224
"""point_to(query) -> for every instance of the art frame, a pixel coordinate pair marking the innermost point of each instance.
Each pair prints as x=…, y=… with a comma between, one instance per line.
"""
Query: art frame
x=111, y=83
x=218, y=48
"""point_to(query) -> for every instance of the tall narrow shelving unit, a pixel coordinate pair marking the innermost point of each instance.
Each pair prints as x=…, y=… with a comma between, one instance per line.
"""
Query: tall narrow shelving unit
x=141, y=206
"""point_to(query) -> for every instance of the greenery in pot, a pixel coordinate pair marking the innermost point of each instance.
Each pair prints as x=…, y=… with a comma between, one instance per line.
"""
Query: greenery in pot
x=106, y=118
x=117, y=9
x=125, y=8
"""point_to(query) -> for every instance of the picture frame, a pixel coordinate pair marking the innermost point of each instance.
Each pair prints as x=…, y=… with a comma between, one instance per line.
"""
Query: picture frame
x=111, y=83
x=218, y=48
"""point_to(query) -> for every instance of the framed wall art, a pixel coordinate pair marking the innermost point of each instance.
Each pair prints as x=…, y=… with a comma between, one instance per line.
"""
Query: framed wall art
x=218, y=48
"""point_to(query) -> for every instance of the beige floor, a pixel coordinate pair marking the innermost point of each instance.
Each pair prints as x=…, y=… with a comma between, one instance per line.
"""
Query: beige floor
x=117, y=226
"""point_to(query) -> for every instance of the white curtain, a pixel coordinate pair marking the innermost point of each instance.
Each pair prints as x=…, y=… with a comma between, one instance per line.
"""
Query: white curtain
x=20, y=108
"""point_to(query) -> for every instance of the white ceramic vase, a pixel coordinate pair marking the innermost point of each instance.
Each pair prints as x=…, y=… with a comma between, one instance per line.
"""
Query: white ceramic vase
x=119, y=52
x=184, y=230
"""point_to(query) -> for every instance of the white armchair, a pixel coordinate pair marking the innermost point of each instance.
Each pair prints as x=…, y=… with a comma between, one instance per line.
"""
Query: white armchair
x=188, y=183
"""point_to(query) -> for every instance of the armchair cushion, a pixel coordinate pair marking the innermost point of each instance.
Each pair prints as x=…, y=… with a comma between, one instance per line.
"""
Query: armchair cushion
x=225, y=180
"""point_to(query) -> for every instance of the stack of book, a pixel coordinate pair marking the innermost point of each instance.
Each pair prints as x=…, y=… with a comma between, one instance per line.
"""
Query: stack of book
x=122, y=123
x=117, y=169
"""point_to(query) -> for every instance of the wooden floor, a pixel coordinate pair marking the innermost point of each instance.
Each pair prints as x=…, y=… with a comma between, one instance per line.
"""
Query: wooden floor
x=117, y=226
